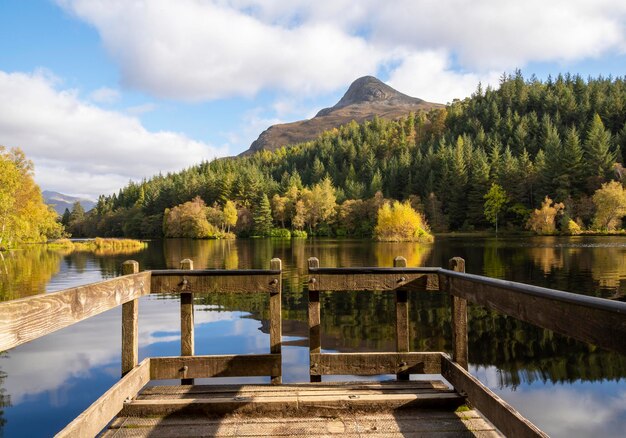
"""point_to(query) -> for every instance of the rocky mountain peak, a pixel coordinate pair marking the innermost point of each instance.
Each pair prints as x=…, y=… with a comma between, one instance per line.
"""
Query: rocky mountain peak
x=368, y=90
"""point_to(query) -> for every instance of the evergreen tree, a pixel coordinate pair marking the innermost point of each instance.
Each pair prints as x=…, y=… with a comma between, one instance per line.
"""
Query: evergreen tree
x=262, y=217
x=569, y=183
x=599, y=157
x=65, y=219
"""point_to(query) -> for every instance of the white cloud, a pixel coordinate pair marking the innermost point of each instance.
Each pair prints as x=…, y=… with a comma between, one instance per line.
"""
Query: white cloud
x=141, y=109
x=201, y=49
x=428, y=75
x=79, y=148
x=195, y=50
x=105, y=95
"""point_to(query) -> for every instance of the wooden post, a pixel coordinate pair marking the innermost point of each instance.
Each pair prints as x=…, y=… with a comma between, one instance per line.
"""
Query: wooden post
x=402, y=318
x=130, y=331
x=275, y=315
x=315, y=340
x=186, y=321
x=459, y=320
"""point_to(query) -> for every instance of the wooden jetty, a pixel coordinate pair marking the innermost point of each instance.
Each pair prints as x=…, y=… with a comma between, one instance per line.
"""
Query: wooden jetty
x=137, y=406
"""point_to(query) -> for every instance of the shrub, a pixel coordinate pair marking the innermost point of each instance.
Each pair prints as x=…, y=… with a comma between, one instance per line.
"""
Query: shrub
x=400, y=222
x=282, y=233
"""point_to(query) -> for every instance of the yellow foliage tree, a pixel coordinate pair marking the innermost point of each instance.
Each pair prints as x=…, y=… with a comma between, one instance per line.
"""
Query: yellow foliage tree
x=24, y=217
x=610, y=202
x=399, y=222
x=542, y=221
x=188, y=220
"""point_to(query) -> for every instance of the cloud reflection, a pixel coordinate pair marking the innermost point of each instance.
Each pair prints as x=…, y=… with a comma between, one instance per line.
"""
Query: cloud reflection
x=577, y=410
x=47, y=363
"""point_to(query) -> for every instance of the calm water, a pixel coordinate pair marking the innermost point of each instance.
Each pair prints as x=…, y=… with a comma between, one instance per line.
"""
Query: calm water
x=567, y=388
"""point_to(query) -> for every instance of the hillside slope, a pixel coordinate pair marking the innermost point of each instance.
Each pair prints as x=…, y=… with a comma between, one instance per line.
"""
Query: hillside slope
x=366, y=97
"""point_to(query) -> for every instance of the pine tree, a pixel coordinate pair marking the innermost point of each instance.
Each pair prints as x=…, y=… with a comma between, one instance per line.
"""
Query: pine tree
x=570, y=181
x=262, y=217
x=478, y=187
x=553, y=157
x=598, y=154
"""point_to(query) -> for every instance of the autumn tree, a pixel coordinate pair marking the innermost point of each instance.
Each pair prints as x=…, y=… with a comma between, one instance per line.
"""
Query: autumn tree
x=542, y=221
x=188, y=220
x=399, y=222
x=230, y=215
x=279, y=209
x=24, y=217
x=610, y=203
x=320, y=202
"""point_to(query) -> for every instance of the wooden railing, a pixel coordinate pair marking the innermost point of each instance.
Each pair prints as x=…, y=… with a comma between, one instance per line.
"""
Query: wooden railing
x=594, y=320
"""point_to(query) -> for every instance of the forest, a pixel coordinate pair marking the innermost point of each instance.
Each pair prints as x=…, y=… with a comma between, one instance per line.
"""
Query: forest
x=529, y=154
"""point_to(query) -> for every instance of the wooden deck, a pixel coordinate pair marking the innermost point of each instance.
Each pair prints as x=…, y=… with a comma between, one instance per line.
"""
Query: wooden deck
x=374, y=409
x=131, y=407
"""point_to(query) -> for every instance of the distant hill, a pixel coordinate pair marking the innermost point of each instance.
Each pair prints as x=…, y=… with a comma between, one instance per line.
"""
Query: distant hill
x=60, y=201
x=366, y=97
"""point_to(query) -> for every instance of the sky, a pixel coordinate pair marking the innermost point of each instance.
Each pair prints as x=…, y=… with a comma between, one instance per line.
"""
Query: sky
x=101, y=92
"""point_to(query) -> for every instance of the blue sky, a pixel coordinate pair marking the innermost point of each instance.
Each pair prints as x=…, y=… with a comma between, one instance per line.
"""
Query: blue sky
x=98, y=92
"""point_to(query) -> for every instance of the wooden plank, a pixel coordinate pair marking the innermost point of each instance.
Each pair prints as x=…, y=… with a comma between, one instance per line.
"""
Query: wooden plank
x=30, y=318
x=187, y=338
x=276, y=316
x=241, y=365
x=201, y=282
x=315, y=337
x=402, y=318
x=369, y=364
x=387, y=281
x=412, y=385
x=288, y=404
x=406, y=422
x=459, y=319
x=588, y=319
x=500, y=413
x=98, y=415
x=130, y=330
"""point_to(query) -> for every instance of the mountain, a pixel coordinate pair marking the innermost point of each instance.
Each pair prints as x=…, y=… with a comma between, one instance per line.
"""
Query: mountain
x=366, y=97
x=60, y=201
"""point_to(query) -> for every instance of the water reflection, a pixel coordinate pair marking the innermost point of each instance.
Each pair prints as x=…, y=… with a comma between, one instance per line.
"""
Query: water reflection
x=520, y=361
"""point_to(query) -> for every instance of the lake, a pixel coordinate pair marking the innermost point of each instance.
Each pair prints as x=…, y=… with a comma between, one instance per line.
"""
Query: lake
x=566, y=387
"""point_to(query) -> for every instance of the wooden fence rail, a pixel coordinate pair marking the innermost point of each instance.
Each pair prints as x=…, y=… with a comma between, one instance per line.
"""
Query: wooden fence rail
x=589, y=319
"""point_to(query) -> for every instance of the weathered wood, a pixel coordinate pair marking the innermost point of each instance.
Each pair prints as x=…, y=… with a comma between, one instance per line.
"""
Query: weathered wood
x=315, y=338
x=402, y=318
x=189, y=367
x=287, y=404
x=296, y=399
x=276, y=316
x=215, y=281
x=373, y=387
x=30, y=318
x=459, y=319
x=130, y=330
x=187, y=338
x=387, y=424
x=369, y=364
x=102, y=411
x=589, y=319
x=500, y=413
x=344, y=279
